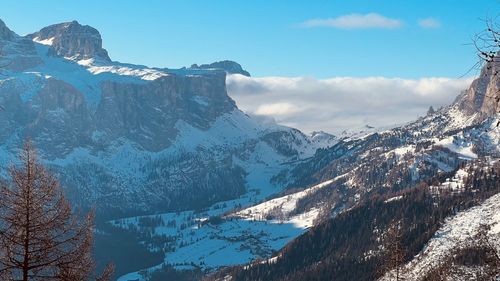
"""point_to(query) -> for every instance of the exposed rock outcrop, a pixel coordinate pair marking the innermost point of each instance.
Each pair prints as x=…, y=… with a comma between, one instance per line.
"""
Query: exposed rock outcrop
x=71, y=39
x=483, y=96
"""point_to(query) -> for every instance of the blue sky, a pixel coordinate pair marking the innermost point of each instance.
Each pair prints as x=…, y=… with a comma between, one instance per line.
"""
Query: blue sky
x=277, y=38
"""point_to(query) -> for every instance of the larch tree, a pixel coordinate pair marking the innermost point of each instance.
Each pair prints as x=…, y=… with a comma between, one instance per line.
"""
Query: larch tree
x=40, y=237
x=394, y=252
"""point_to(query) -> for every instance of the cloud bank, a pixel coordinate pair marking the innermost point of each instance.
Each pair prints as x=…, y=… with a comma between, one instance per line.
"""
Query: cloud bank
x=355, y=21
x=337, y=104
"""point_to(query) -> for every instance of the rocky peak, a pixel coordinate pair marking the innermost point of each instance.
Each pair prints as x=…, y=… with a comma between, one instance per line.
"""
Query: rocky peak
x=230, y=67
x=431, y=110
x=5, y=32
x=483, y=96
x=71, y=39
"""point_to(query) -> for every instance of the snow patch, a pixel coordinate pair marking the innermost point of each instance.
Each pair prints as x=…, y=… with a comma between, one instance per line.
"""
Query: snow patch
x=457, y=145
x=285, y=204
x=47, y=42
x=143, y=73
x=395, y=198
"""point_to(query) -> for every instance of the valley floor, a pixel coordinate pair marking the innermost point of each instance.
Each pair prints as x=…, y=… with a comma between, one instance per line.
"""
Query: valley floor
x=227, y=233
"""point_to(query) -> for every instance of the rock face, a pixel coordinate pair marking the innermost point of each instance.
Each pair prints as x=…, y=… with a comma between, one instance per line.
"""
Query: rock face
x=129, y=139
x=483, y=96
x=230, y=67
x=147, y=113
x=59, y=118
x=71, y=39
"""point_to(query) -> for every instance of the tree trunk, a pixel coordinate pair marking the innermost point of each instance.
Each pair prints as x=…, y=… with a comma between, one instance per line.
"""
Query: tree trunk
x=27, y=226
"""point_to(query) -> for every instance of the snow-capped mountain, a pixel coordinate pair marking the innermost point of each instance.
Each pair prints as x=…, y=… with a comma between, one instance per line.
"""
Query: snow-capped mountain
x=128, y=138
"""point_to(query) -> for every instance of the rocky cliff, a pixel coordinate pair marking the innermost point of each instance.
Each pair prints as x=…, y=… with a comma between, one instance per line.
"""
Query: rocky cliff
x=483, y=96
x=73, y=40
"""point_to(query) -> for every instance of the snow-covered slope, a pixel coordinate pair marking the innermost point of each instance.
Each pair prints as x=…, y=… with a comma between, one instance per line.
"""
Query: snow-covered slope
x=280, y=209
x=457, y=231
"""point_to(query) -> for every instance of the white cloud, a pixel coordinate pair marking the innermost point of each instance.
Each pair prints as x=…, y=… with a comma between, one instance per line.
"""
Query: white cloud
x=429, y=23
x=276, y=109
x=336, y=104
x=355, y=21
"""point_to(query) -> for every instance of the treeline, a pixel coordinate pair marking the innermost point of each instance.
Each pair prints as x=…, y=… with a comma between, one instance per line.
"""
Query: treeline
x=168, y=272
x=119, y=245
